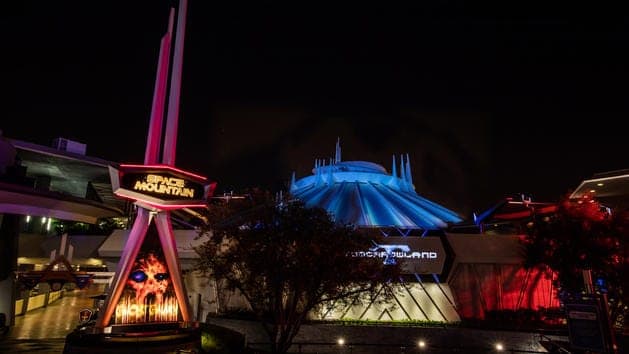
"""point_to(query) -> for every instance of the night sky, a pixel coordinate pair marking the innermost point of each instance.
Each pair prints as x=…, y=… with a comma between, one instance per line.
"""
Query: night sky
x=486, y=101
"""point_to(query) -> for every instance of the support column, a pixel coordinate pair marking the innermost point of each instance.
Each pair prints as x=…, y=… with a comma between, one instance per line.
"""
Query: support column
x=132, y=247
x=169, y=246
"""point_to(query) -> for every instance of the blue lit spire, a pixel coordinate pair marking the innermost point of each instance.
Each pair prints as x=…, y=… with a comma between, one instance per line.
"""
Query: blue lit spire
x=409, y=176
x=402, y=169
x=292, y=182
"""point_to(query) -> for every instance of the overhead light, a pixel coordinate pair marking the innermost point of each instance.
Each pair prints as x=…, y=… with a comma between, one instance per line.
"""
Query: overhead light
x=421, y=344
x=340, y=341
x=592, y=190
x=499, y=347
x=600, y=184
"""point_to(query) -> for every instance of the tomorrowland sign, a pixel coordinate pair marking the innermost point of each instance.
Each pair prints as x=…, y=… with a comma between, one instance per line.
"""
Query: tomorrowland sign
x=421, y=255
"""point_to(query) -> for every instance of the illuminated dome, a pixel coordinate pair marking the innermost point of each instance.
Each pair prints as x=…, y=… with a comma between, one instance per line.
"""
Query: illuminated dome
x=364, y=194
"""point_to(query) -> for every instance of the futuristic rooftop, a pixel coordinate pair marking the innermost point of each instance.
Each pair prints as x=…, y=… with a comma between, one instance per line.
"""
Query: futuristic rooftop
x=364, y=194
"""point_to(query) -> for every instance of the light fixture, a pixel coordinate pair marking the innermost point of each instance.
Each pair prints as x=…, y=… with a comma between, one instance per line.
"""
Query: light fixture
x=340, y=341
x=421, y=344
x=592, y=190
x=499, y=347
x=600, y=184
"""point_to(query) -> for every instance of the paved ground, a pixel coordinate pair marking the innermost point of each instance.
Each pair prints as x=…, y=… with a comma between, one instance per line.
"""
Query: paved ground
x=48, y=346
x=44, y=330
x=56, y=320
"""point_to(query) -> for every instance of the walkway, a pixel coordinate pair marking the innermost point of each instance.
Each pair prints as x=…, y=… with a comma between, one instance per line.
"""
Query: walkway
x=57, y=319
x=44, y=330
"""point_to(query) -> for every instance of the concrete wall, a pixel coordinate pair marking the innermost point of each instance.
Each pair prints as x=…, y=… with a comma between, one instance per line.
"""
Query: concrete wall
x=322, y=338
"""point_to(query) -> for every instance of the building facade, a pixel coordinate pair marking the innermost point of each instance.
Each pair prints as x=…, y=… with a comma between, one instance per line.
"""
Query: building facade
x=454, y=269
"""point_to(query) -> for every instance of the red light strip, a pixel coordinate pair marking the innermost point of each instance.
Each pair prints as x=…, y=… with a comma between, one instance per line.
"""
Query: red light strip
x=161, y=167
x=159, y=205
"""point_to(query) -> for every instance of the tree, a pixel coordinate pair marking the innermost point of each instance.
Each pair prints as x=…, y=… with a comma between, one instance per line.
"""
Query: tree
x=583, y=234
x=286, y=259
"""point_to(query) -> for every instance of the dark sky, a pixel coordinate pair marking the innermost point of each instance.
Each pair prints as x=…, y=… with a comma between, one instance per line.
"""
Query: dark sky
x=487, y=101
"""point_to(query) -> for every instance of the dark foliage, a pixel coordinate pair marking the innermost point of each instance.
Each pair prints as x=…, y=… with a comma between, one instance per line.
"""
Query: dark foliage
x=582, y=235
x=286, y=259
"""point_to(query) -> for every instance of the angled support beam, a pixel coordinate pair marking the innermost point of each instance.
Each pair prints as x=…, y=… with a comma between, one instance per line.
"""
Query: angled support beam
x=169, y=246
x=129, y=253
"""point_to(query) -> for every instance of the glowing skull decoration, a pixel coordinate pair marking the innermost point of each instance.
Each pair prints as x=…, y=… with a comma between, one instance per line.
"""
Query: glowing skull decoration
x=149, y=277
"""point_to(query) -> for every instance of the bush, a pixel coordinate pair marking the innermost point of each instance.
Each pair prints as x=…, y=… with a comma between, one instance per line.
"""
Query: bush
x=221, y=340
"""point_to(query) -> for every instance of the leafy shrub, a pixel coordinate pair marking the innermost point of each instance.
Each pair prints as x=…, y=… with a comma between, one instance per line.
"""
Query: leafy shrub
x=221, y=340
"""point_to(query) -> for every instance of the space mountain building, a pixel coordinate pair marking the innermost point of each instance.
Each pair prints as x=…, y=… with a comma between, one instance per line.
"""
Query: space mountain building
x=448, y=274
x=364, y=194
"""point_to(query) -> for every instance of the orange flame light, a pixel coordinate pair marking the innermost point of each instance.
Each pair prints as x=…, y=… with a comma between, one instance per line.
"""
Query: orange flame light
x=129, y=311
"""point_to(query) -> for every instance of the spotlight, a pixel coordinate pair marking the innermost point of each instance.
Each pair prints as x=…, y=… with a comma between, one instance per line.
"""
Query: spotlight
x=340, y=341
x=499, y=347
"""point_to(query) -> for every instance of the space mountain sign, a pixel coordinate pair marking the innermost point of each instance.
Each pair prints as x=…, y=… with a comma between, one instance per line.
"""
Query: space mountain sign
x=421, y=255
x=160, y=186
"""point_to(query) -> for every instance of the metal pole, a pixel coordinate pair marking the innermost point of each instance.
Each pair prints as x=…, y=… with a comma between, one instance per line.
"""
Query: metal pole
x=153, y=141
x=587, y=281
x=169, y=246
x=170, y=144
x=127, y=259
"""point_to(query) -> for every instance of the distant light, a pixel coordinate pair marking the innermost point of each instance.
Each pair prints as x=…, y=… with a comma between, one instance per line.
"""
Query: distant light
x=28, y=218
x=48, y=224
x=421, y=344
x=592, y=190
x=43, y=220
x=340, y=341
x=600, y=184
x=499, y=347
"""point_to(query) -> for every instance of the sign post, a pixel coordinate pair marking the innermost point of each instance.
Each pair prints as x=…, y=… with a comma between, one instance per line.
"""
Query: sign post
x=589, y=326
x=147, y=300
x=147, y=287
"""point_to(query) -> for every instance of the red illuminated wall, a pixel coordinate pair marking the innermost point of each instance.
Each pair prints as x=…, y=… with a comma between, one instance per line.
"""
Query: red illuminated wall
x=479, y=288
x=488, y=275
